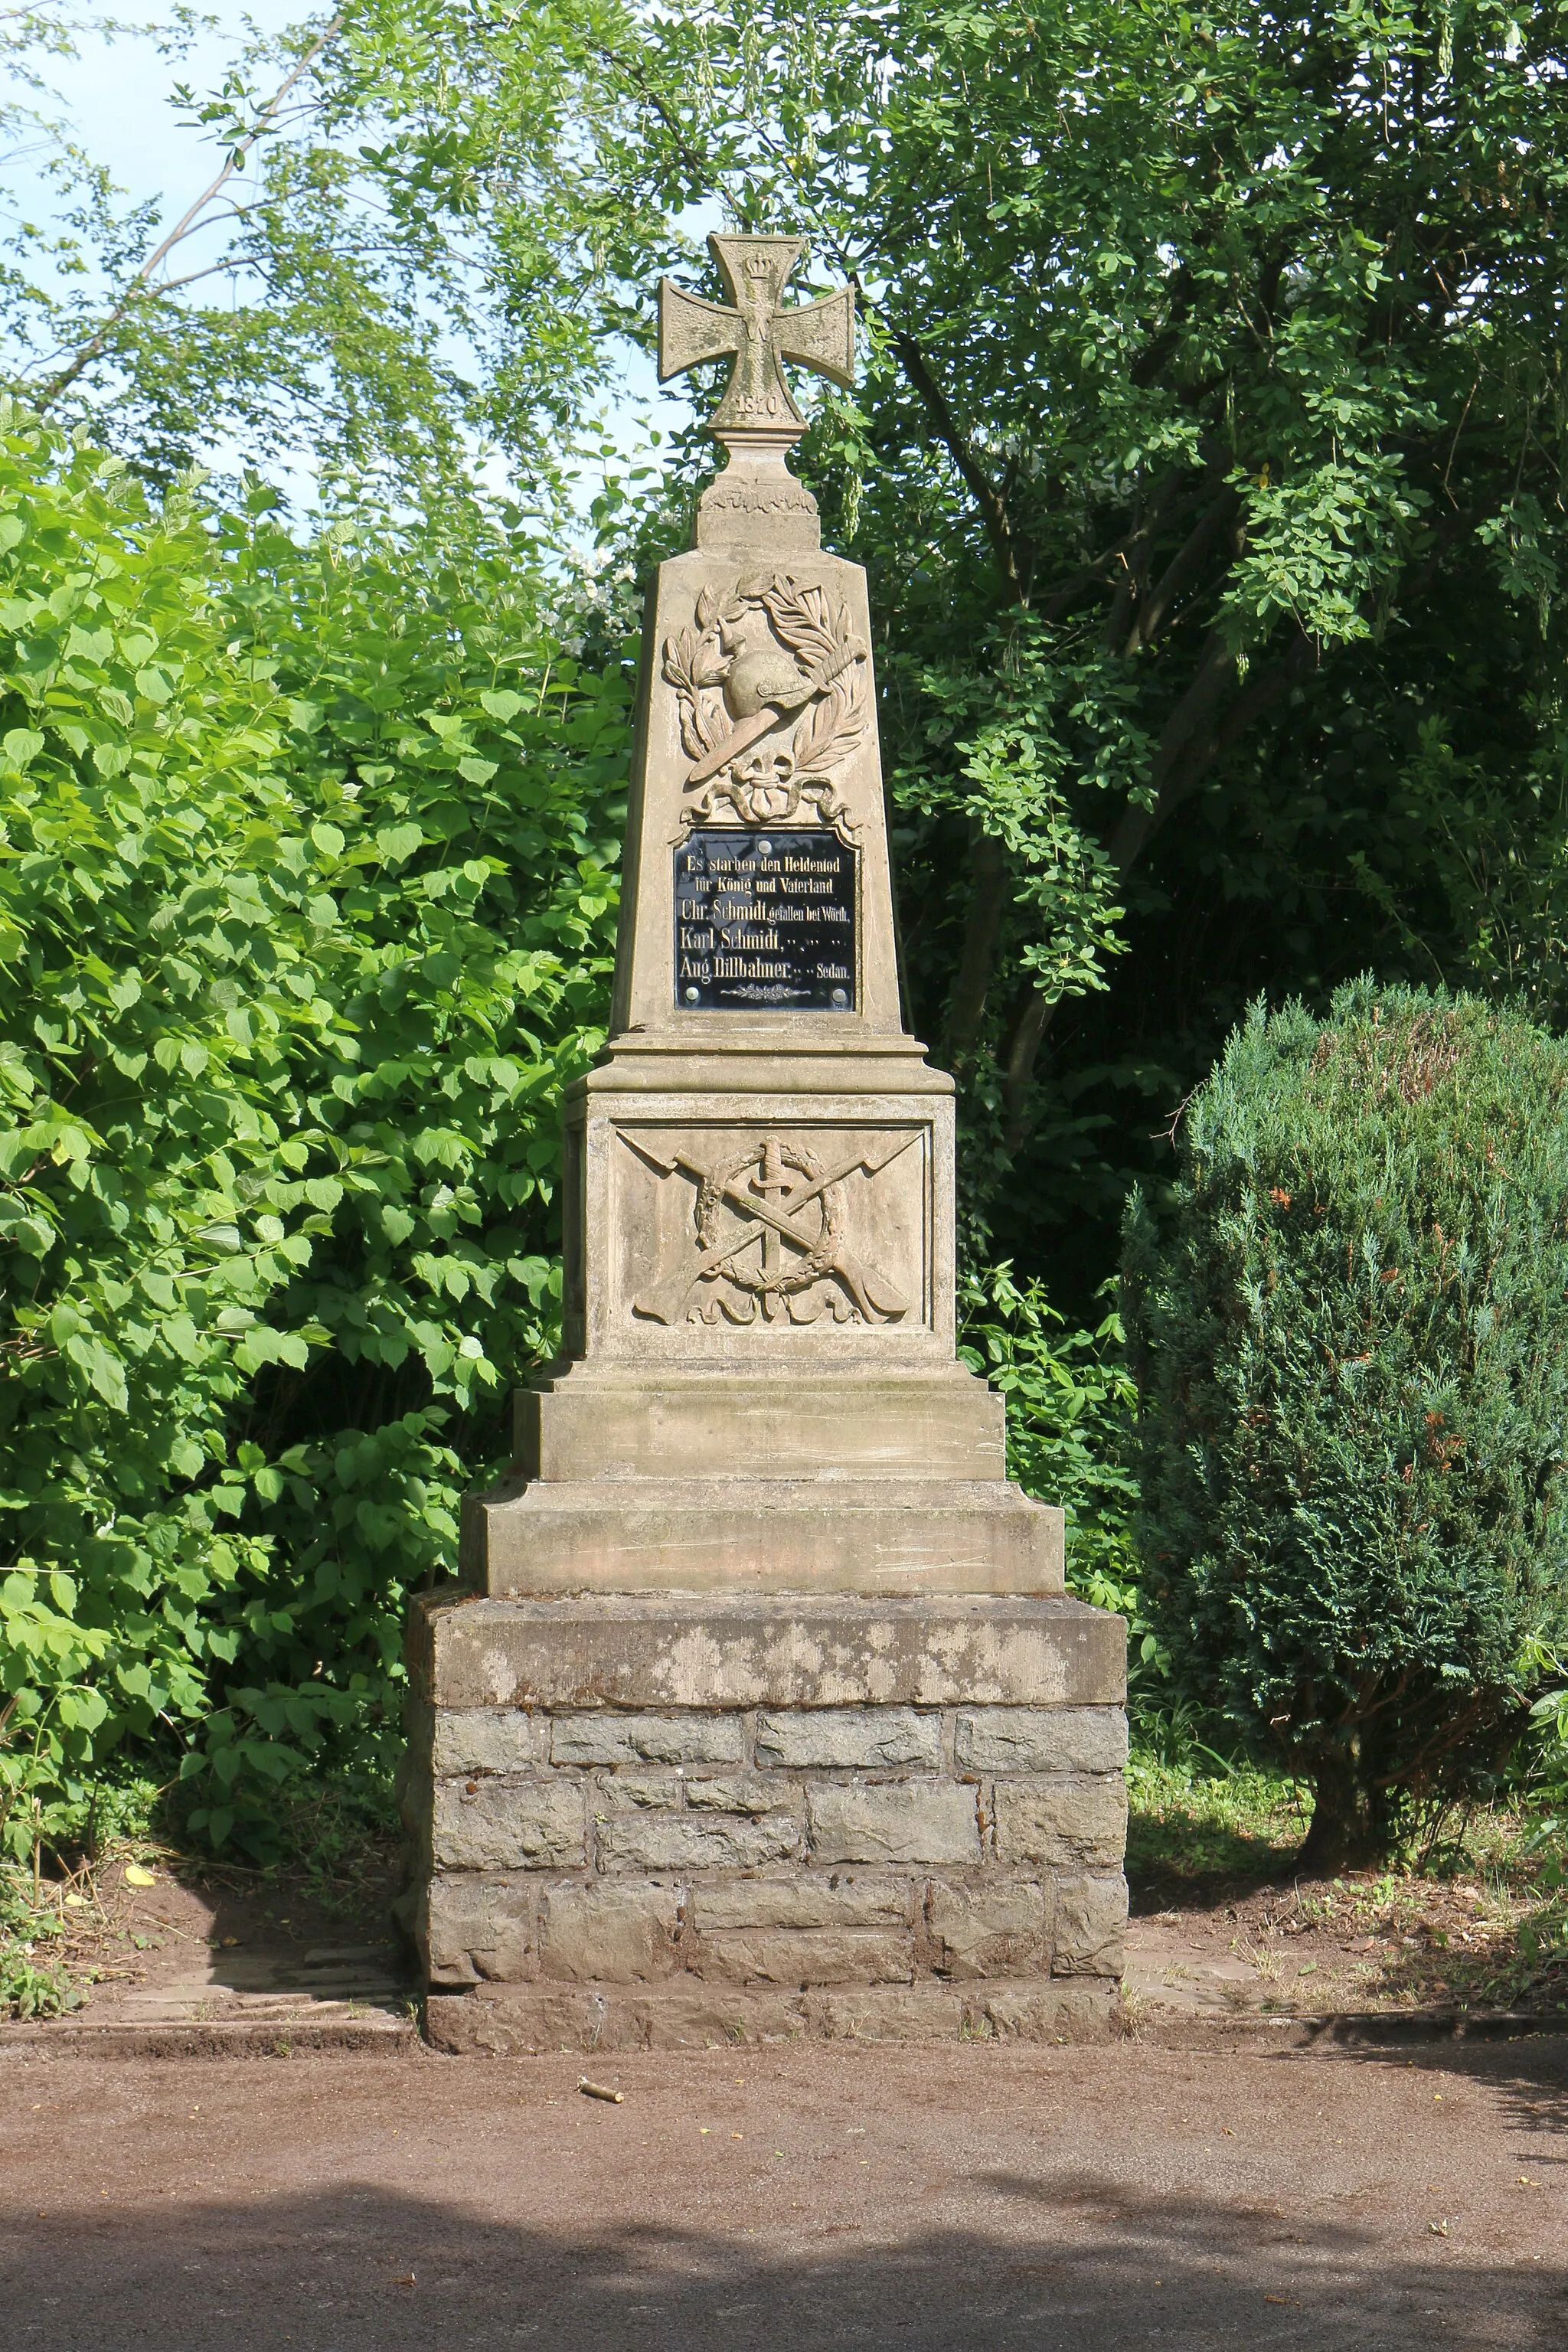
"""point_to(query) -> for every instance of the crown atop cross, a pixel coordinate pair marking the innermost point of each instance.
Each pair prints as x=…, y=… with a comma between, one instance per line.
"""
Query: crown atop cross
x=759, y=331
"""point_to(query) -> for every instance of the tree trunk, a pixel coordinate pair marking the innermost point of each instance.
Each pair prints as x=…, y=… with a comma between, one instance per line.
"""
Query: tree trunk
x=1353, y=1823
x=988, y=898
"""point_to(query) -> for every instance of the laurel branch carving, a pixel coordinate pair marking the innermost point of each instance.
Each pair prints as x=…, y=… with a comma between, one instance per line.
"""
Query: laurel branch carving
x=768, y=1280
x=730, y=691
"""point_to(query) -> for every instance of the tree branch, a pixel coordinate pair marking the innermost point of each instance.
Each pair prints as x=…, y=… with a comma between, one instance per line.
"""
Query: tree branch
x=1160, y=346
x=698, y=167
x=1195, y=739
x=993, y=506
x=141, y=283
x=1168, y=504
x=987, y=856
x=1029, y=1035
x=1140, y=823
x=1188, y=749
x=1183, y=568
x=1270, y=686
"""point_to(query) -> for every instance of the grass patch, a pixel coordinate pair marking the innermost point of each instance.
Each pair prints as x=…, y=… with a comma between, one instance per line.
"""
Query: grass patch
x=1471, y=1917
x=1190, y=1824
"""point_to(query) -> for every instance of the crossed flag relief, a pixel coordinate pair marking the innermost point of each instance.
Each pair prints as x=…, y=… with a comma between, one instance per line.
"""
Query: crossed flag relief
x=772, y=1207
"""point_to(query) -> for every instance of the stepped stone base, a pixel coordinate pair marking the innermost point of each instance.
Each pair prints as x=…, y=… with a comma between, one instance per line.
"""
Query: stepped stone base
x=666, y=1820
x=765, y=1711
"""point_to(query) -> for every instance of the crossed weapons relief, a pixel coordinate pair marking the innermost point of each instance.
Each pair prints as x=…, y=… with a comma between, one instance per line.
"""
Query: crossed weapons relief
x=789, y=1257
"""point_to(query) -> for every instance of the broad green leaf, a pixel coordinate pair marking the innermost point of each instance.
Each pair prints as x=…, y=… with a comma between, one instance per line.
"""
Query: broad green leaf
x=397, y=843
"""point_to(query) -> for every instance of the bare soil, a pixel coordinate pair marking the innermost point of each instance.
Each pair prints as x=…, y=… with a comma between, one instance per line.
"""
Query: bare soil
x=960, y=2198
x=204, y=1942
x=948, y=2198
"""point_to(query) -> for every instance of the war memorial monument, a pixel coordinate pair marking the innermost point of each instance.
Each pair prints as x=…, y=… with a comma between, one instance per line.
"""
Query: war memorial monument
x=759, y=1709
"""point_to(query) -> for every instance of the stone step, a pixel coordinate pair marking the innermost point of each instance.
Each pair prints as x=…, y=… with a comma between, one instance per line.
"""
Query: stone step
x=216, y=2001
x=339, y=1984
x=841, y=1534
x=314, y=2025
x=801, y=1423
x=320, y=1956
x=518, y=2020
x=697, y=1650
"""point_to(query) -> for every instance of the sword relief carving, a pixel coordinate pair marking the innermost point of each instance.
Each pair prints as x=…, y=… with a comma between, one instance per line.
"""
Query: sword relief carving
x=770, y=1236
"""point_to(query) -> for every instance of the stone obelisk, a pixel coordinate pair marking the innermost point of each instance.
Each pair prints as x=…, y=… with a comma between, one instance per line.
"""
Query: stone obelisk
x=761, y=1709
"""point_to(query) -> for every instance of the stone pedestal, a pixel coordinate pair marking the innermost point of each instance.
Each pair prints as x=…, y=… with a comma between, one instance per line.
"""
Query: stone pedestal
x=658, y=1822
x=764, y=1710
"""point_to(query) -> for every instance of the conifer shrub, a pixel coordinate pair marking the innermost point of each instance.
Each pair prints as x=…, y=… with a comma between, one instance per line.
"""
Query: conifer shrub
x=1350, y=1337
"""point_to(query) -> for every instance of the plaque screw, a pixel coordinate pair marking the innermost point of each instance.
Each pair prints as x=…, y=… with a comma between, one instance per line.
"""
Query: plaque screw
x=764, y=849
x=840, y=997
x=692, y=995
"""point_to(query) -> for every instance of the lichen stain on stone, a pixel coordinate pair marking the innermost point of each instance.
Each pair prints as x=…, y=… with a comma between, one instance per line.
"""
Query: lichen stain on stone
x=791, y=1662
x=690, y=1670
x=497, y=1677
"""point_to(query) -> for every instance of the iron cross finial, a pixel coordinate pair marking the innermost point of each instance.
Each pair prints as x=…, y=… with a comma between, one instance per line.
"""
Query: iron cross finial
x=759, y=331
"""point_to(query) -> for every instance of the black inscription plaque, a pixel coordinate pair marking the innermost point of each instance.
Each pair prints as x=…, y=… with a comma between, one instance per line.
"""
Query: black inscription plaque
x=764, y=920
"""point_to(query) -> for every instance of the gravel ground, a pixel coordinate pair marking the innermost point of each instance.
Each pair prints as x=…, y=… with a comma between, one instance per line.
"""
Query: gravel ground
x=960, y=2198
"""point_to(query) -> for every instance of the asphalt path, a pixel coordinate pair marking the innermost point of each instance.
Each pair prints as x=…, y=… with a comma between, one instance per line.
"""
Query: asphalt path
x=965, y=2198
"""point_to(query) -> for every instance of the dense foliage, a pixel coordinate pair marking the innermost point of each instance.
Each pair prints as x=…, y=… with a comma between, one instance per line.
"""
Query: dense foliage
x=1071, y=1403
x=306, y=910
x=1206, y=458
x=344, y=290
x=1215, y=366
x=1352, y=1353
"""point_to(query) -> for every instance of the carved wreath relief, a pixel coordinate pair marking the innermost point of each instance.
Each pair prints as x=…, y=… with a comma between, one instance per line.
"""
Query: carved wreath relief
x=770, y=1236
x=770, y=653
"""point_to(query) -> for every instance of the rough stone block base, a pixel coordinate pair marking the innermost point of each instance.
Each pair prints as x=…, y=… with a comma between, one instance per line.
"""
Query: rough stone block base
x=526, y=2021
x=676, y=1820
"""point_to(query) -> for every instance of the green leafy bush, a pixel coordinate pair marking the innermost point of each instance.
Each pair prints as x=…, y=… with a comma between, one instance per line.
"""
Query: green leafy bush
x=1351, y=1345
x=1069, y=1400
x=1545, y=1787
x=27, y=1928
x=305, y=914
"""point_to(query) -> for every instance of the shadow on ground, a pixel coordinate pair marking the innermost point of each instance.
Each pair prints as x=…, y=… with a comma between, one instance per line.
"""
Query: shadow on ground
x=366, y=2270
x=1528, y=2075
